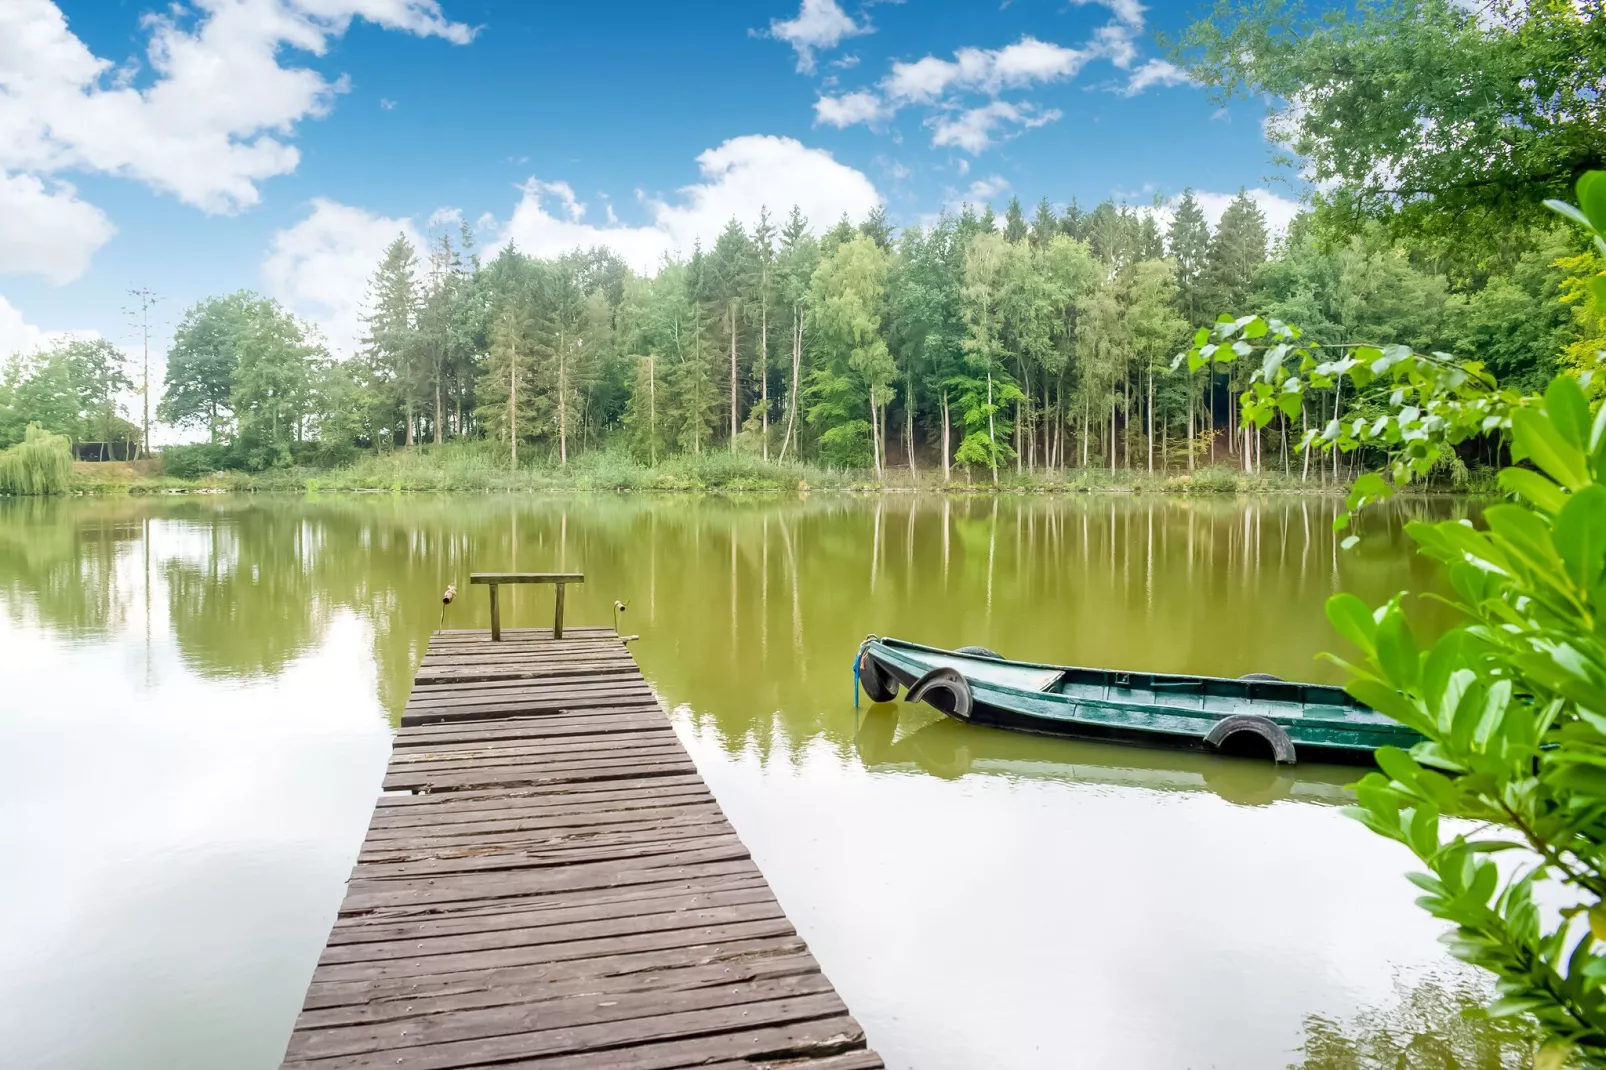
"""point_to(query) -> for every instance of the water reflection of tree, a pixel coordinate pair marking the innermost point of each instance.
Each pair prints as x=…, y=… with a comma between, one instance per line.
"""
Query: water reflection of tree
x=63, y=565
x=1435, y=1024
x=749, y=610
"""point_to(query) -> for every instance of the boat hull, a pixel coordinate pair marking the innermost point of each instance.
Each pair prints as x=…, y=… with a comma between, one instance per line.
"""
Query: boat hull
x=1321, y=723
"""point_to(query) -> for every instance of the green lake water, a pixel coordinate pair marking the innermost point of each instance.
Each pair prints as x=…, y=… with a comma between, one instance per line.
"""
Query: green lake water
x=197, y=696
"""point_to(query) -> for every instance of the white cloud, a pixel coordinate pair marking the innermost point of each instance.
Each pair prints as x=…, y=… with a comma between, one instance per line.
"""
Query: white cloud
x=53, y=234
x=219, y=109
x=1156, y=72
x=319, y=268
x=17, y=335
x=740, y=177
x=942, y=84
x=1129, y=12
x=984, y=190
x=980, y=69
x=972, y=130
x=849, y=108
x=819, y=24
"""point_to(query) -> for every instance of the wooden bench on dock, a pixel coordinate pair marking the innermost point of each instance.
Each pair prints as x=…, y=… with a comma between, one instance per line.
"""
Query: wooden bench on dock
x=547, y=882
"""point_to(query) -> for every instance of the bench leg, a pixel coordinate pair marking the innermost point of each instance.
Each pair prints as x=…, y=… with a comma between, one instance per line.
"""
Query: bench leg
x=557, y=615
x=496, y=617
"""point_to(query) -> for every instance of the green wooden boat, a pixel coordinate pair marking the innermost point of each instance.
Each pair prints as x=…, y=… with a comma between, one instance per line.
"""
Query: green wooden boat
x=1257, y=714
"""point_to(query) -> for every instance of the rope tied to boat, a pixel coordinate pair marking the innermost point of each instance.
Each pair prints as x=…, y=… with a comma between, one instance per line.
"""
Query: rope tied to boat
x=857, y=659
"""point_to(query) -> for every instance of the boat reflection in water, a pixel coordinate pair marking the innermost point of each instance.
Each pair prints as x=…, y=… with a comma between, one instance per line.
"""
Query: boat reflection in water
x=945, y=748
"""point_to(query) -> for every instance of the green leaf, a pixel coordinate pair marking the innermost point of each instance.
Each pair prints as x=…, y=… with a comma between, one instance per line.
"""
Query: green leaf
x=1568, y=410
x=1354, y=621
x=1563, y=208
x=1534, y=488
x=1536, y=438
x=1396, y=648
x=1580, y=535
x=1592, y=198
x=1399, y=766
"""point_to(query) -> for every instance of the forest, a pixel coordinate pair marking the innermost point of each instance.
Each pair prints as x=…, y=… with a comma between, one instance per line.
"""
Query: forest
x=1023, y=343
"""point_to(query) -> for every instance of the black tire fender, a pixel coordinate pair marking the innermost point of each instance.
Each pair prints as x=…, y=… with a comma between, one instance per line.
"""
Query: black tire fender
x=943, y=688
x=878, y=684
x=1282, y=748
x=980, y=652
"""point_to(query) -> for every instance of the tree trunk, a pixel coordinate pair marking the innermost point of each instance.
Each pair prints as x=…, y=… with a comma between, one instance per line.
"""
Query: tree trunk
x=563, y=402
x=909, y=423
x=1151, y=421
x=437, y=405
x=992, y=429
x=1190, y=430
x=730, y=319
x=947, y=468
x=513, y=409
x=764, y=369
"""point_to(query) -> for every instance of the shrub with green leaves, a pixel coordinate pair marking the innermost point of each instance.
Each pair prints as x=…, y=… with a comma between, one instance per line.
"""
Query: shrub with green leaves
x=1511, y=700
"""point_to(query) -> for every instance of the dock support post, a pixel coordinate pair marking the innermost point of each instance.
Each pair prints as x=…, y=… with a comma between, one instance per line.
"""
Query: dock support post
x=557, y=613
x=496, y=617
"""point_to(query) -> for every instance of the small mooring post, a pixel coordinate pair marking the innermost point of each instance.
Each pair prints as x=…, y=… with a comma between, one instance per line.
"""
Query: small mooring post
x=496, y=579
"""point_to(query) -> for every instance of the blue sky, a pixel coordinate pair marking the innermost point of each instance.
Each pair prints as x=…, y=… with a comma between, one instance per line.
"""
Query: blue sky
x=202, y=147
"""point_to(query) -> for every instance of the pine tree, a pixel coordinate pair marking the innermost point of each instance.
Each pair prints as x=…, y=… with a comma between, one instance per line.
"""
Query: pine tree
x=391, y=342
x=1044, y=225
x=877, y=229
x=1014, y=222
x=1188, y=243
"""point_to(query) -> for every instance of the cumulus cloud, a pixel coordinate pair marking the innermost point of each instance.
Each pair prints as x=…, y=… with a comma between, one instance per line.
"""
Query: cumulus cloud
x=980, y=69
x=219, y=110
x=819, y=24
x=739, y=177
x=973, y=129
x=943, y=85
x=849, y=108
x=54, y=234
x=1156, y=72
x=17, y=335
x=319, y=268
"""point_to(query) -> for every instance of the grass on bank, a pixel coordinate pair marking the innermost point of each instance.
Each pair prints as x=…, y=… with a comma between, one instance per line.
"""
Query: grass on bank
x=471, y=467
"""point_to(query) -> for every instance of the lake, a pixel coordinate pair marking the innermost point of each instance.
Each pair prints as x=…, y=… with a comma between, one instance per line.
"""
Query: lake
x=197, y=696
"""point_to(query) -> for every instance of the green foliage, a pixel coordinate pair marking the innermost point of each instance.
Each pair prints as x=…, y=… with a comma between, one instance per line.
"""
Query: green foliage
x=1512, y=701
x=1438, y=117
x=40, y=464
x=194, y=461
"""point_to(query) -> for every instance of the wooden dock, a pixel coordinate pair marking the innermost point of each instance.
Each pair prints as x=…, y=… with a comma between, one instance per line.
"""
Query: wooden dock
x=547, y=882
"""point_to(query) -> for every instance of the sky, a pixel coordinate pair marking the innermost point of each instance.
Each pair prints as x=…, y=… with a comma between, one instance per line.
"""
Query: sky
x=198, y=147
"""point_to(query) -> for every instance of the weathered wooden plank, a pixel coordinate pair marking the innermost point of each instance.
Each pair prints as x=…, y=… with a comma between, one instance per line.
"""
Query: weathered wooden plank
x=473, y=995
x=548, y=882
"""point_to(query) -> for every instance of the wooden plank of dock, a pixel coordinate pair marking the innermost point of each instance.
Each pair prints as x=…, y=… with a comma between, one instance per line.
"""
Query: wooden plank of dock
x=547, y=882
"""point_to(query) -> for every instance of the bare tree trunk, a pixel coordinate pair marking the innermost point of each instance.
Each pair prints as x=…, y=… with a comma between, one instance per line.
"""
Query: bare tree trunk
x=791, y=408
x=992, y=428
x=1338, y=395
x=1151, y=421
x=437, y=404
x=730, y=320
x=1190, y=430
x=1304, y=476
x=909, y=422
x=563, y=402
x=946, y=465
x=513, y=409
x=764, y=366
